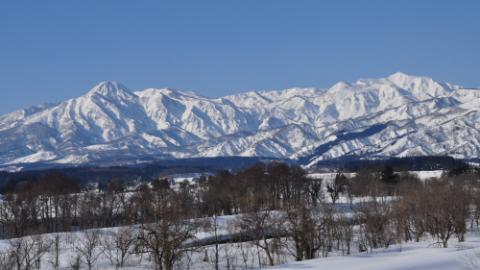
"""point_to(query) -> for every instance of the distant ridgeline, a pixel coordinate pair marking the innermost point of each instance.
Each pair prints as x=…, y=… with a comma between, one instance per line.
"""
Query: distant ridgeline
x=148, y=172
x=130, y=173
x=396, y=116
x=420, y=163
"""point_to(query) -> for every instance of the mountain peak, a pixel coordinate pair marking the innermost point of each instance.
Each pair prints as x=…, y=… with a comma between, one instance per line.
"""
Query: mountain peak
x=340, y=86
x=109, y=88
x=170, y=92
x=400, y=78
x=398, y=115
x=400, y=74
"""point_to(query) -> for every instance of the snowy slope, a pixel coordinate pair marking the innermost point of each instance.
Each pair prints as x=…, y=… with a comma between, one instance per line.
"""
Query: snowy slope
x=399, y=115
x=411, y=259
x=422, y=255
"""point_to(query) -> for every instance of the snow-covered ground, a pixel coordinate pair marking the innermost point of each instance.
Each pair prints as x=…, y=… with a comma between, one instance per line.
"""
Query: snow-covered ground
x=423, y=175
x=411, y=256
x=424, y=255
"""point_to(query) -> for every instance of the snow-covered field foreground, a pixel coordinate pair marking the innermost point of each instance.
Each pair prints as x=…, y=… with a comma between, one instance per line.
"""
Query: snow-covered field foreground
x=424, y=255
x=343, y=232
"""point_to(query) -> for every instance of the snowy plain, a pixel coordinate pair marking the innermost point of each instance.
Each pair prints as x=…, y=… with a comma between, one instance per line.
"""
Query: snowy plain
x=424, y=255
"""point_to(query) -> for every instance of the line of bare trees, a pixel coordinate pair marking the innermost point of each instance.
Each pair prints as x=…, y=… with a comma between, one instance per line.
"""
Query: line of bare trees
x=278, y=210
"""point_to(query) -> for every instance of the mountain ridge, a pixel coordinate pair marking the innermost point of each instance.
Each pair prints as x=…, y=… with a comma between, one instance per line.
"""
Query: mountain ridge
x=420, y=116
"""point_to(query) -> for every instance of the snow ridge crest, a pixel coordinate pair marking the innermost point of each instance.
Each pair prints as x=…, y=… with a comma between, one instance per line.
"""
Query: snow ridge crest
x=418, y=116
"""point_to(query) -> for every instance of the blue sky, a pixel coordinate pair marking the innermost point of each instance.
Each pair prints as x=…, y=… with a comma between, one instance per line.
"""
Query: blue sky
x=54, y=50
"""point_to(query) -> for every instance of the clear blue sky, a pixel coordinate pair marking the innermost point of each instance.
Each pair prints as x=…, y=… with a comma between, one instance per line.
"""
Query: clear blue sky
x=54, y=50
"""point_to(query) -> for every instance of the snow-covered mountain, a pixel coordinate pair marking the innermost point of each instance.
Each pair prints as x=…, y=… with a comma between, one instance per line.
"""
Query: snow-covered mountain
x=400, y=115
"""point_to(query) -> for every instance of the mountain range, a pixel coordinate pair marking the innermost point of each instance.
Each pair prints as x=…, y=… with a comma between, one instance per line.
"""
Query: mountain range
x=397, y=116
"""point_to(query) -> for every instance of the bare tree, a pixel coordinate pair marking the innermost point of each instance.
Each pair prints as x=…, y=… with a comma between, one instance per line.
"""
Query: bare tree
x=260, y=226
x=376, y=218
x=7, y=260
x=119, y=246
x=213, y=224
x=75, y=264
x=27, y=252
x=55, y=252
x=88, y=246
x=450, y=210
x=165, y=239
x=346, y=234
x=304, y=226
x=337, y=186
